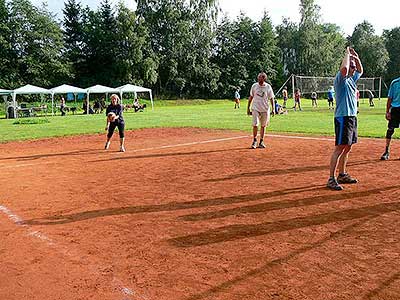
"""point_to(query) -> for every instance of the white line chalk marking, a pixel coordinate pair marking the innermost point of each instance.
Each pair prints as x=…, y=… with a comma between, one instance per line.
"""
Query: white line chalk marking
x=300, y=137
x=13, y=217
x=49, y=242
x=228, y=139
x=190, y=143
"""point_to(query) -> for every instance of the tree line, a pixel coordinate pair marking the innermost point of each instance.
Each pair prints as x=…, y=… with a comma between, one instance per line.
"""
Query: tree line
x=179, y=48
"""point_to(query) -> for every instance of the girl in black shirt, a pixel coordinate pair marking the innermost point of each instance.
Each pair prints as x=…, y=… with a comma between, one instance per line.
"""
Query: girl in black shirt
x=115, y=119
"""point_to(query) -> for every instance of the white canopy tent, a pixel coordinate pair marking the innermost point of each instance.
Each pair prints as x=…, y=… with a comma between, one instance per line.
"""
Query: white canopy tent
x=99, y=89
x=5, y=92
x=27, y=90
x=130, y=88
x=65, y=89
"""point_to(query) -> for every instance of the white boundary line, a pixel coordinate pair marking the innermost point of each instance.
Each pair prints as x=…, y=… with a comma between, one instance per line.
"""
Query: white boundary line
x=229, y=139
x=192, y=143
x=125, y=291
x=301, y=137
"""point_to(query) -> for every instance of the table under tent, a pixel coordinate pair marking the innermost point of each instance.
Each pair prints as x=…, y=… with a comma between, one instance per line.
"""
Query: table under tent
x=24, y=109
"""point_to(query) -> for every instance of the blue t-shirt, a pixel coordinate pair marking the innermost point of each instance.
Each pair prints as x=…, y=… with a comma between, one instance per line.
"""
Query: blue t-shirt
x=346, y=100
x=331, y=94
x=277, y=106
x=394, y=92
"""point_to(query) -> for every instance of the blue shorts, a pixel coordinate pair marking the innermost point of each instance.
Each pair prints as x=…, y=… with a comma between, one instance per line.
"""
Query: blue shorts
x=345, y=130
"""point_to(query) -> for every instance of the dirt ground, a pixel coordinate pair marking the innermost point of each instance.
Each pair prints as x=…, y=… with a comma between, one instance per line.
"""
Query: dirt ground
x=190, y=214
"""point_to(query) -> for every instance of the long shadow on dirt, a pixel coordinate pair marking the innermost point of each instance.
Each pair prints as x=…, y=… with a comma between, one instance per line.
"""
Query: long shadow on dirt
x=295, y=170
x=270, y=206
x=59, y=154
x=242, y=231
x=211, y=293
x=172, y=206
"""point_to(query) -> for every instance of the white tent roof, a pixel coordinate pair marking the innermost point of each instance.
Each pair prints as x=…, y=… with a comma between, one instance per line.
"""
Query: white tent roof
x=101, y=89
x=30, y=89
x=5, y=92
x=65, y=88
x=130, y=88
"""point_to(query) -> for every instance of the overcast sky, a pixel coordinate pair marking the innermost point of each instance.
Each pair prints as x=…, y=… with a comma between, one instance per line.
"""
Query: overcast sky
x=382, y=14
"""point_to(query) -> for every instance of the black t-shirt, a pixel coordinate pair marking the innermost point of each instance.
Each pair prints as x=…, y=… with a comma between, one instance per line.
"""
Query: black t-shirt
x=116, y=109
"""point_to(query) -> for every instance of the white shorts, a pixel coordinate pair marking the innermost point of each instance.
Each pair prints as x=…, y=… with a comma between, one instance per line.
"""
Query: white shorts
x=260, y=118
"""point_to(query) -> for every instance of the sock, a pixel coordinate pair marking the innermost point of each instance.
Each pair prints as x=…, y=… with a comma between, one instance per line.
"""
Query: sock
x=342, y=174
x=387, y=149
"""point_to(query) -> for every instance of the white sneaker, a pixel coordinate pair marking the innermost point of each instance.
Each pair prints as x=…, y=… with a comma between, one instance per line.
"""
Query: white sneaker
x=107, y=146
x=122, y=149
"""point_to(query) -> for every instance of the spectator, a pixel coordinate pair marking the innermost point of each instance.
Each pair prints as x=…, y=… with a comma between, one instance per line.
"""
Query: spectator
x=62, y=106
x=237, y=98
x=370, y=98
x=314, y=99
x=297, y=96
x=285, y=96
x=331, y=96
x=137, y=106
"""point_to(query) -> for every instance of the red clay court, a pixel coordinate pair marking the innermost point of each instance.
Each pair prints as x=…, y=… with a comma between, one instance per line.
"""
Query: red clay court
x=190, y=214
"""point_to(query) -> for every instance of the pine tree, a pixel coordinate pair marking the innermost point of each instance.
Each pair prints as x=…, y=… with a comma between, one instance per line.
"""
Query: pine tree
x=73, y=38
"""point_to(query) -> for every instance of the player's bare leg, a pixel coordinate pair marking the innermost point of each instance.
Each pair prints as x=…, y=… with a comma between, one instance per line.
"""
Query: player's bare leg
x=332, y=182
x=389, y=133
x=262, y=134
x=254, y=143
x=122, y=144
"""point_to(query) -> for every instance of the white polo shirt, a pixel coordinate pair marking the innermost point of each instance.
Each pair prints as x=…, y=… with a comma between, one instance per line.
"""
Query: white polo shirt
x=261, y=95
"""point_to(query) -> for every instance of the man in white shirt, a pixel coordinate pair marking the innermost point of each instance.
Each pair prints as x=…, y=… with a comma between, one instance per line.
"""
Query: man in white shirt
x=260, y=93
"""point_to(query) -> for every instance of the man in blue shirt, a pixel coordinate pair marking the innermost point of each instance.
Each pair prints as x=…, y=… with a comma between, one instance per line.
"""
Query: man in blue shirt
x=331, y=95
x=345, y=118
x=392, y=114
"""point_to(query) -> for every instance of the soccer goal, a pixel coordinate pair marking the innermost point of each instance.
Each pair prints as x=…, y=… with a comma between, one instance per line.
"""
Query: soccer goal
x=321, y=85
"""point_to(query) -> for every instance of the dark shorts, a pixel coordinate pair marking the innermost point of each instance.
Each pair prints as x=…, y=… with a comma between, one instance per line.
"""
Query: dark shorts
x=121, y=129
x=330, y=100
x=345, y=130
x=394, y=117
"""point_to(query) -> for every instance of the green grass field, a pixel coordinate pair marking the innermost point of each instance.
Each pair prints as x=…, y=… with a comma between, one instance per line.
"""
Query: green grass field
x=216, y=114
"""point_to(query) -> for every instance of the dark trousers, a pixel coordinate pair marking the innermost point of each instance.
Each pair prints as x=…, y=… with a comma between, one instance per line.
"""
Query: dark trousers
x=121, y=129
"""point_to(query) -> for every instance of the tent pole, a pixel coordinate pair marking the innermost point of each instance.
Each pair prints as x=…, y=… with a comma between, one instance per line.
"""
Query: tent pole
x=151, y=99
x=87, y=103
x=52, y=104
x=15, y=105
